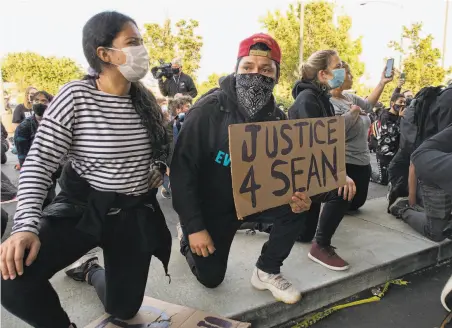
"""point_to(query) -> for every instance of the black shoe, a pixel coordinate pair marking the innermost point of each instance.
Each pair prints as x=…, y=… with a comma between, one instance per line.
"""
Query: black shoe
x=446, y=295
x=398, y=207
x=79, y=270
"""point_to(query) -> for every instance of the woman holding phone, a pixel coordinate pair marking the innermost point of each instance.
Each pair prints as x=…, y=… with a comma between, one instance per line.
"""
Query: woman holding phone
x=357, y=123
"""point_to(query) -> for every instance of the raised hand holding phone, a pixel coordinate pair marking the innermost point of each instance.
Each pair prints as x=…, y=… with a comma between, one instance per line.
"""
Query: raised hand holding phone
x=388, y=72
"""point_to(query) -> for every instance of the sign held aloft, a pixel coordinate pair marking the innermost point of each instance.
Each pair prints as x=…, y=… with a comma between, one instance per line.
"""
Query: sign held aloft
x=270, y=161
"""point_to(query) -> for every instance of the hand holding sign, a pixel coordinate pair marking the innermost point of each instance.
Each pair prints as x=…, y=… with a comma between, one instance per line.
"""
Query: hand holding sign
x=300, y=202
x=348, y=190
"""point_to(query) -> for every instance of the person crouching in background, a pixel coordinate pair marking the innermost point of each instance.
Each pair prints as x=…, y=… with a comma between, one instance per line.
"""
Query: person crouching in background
x=25, y=134
x=177, y=108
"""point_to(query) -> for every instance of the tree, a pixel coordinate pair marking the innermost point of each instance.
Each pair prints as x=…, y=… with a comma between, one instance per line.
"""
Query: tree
x=162, y=43
x=320, y=33
x=210, y=83
x=45, y=73
x=421, y=63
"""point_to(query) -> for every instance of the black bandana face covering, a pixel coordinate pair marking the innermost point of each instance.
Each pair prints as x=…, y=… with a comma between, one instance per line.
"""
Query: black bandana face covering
x=253, y=92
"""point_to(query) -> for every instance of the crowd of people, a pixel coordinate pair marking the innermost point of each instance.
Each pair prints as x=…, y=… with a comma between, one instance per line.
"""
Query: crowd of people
x=112, y=144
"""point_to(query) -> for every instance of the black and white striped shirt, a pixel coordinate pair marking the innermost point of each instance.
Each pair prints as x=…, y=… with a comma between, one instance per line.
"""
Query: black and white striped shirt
x=105, y=142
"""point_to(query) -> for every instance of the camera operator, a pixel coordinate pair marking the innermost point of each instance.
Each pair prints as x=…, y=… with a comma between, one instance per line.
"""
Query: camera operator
x=178, y=83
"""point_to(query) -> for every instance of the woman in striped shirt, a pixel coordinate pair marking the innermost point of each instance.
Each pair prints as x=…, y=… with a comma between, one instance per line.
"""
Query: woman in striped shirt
x=113, y=132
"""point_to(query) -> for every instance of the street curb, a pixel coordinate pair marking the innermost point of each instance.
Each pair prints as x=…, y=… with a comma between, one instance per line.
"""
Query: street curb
x=277, y=313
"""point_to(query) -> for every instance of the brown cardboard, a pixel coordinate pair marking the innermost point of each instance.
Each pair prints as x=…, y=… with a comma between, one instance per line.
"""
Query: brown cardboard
x=294, y=160
x=158, y=314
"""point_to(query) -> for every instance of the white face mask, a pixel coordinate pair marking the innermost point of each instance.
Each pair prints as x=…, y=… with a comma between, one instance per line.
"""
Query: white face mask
x=164, y=108
x=137, y=63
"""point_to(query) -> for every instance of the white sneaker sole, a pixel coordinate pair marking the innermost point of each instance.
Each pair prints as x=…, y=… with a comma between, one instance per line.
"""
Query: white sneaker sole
x=328, y=266
x=260, y=285
x=446, y=290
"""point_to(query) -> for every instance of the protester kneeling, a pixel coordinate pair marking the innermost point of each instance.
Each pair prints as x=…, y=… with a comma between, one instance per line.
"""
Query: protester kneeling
x=429, y=213
x=321, y=73
x=202, y=183
x=111, y=203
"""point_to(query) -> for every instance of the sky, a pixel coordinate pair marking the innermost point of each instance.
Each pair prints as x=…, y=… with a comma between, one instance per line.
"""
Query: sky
x=51, y=27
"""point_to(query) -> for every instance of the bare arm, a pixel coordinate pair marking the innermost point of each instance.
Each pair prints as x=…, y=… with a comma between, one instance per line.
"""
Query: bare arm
x=375, y=95
x=412, y=185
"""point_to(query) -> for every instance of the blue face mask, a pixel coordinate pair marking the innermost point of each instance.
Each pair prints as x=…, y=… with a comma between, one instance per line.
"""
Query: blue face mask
x=338, y=78
x=181, y=117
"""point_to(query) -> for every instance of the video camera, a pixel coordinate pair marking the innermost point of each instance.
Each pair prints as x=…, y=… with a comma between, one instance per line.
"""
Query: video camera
x=164, y=69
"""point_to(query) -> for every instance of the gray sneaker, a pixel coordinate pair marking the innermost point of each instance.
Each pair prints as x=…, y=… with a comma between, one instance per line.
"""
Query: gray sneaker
x=398, y=207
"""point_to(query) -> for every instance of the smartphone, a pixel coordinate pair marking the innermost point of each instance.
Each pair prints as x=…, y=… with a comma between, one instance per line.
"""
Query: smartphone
x=402, y=76
x=389, y=67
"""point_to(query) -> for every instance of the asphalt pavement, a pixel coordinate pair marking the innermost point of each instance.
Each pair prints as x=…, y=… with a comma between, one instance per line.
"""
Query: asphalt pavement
x=416, y=305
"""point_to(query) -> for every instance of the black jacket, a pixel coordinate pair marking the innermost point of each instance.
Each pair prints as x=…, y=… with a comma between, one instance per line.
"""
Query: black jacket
x=388, y=134
x=433, y=160
x=178, y=84
x=4, y=144
x=439, y=115
x=310, y=101
x=140, y=215
x=200, y=168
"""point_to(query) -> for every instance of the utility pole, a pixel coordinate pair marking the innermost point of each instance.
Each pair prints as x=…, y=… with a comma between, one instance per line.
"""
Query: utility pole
x=445, y=34
x=301, y=30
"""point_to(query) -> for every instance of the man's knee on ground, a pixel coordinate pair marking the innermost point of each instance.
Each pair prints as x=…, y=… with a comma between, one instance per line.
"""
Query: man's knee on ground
x=212, y=280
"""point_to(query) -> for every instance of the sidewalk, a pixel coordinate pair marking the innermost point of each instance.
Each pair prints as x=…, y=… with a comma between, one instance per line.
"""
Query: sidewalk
x=377, y=246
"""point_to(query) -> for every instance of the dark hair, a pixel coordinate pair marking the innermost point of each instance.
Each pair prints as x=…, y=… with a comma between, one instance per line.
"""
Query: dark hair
x=396, y=96
x=261, y=46
x=48, y=96
x=100, y=31
x=175, y=103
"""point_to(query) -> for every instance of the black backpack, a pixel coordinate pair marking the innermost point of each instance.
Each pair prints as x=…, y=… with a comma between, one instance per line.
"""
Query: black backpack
x=413, y=123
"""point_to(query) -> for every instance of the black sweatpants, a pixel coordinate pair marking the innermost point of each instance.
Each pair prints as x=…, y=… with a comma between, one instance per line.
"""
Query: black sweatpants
x=381, y=175
x=360, y=174
x=323, y=225
x=210, y=271
x=398, y=171
x=120, y=286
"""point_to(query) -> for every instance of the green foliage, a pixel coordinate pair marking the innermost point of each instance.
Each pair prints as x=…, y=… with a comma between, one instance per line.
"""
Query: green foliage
x=319, y=33
x=212, y=82
x=162, y=43
x=45, y=73
x=421, y=63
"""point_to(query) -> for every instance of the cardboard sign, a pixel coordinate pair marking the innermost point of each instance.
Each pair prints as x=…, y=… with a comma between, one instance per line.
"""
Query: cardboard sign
x=158, y=314
x=270, y=161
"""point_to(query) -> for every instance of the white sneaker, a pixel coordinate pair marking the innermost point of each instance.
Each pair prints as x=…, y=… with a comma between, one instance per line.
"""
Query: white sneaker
x=281, y=289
